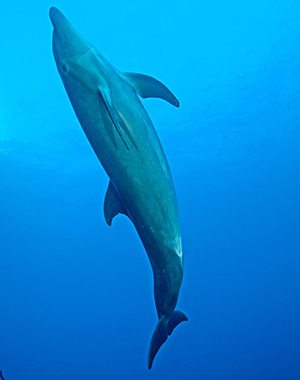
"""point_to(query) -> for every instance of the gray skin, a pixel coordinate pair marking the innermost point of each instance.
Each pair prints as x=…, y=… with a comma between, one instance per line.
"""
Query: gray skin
x=125, y=142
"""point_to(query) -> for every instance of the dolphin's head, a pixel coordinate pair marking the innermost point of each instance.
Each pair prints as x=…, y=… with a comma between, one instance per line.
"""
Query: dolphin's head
x=68, y=45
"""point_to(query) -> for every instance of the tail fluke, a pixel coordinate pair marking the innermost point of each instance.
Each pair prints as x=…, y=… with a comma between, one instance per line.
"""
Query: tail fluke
x=165, y=327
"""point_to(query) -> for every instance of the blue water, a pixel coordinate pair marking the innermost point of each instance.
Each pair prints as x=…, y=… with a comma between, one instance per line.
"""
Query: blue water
x=76, y=298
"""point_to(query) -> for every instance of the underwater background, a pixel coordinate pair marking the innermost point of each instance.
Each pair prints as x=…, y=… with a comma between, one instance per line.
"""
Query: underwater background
x=76, y=296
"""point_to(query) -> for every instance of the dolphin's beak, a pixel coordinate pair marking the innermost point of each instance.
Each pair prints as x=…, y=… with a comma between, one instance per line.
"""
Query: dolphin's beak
x=68, y=45
x=56, y=17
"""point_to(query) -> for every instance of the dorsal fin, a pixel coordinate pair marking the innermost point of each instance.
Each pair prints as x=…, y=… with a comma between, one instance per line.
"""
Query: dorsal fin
x=113, y=204
x=149, y=87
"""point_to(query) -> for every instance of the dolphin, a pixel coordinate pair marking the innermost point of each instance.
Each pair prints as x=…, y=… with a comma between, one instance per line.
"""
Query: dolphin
x=1, y=375
x=123, y=137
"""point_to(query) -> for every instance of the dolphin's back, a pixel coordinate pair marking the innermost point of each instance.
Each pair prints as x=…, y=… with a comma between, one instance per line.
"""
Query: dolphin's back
x=143, y=183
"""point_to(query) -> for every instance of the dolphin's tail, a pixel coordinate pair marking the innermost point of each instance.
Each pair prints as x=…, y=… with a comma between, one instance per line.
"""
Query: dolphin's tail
x=165, y=327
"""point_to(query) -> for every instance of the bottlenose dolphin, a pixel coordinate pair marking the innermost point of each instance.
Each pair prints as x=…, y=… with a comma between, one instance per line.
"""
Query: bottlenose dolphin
x=124, y=139
x=1, y=375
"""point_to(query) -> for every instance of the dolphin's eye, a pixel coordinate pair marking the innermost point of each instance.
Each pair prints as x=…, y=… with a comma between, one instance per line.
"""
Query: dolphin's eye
x=64, y=68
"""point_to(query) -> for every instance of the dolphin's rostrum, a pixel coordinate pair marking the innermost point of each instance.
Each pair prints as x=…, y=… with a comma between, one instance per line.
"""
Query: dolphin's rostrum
x=123, y=137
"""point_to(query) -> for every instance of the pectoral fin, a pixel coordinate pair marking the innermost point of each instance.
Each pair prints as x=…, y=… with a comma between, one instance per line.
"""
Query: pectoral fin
x=148, y=87
x=113, y=115
x=113, y=205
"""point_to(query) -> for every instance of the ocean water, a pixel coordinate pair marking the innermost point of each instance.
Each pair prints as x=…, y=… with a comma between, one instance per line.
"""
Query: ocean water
x=76, y=296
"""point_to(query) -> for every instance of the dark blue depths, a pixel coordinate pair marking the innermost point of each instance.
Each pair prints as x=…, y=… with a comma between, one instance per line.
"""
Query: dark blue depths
x=76, y=296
